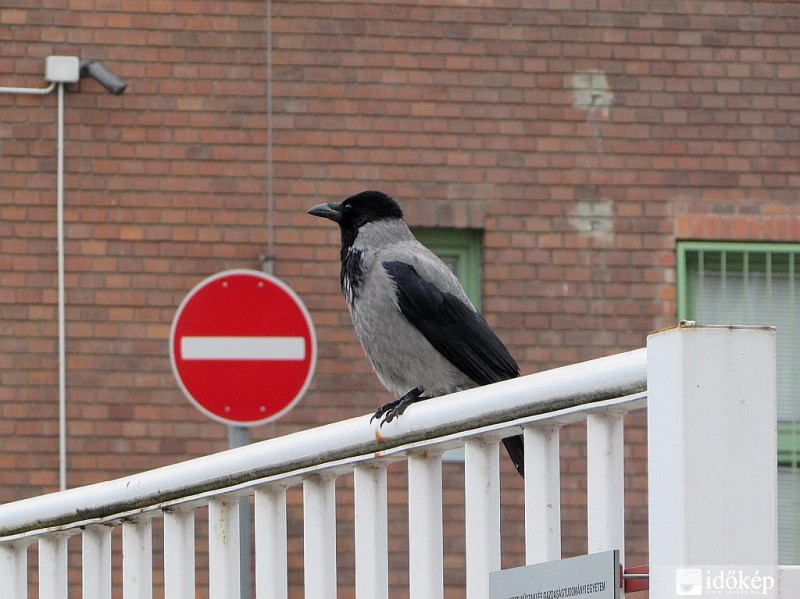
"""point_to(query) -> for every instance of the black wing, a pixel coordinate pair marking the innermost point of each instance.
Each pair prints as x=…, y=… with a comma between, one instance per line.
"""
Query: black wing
x=452, y=327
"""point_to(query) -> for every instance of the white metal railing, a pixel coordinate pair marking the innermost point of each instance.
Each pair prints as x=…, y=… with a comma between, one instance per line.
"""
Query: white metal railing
x=600, y=391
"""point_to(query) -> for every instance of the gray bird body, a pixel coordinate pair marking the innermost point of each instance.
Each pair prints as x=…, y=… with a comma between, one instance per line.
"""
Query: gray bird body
x=399, y=353
x=420, y=332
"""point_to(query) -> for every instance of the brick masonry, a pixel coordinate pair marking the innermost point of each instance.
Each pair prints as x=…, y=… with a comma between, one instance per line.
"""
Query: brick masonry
x=584, y=137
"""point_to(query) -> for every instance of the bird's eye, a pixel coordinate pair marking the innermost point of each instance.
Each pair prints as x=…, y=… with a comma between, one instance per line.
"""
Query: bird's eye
x=348, y=207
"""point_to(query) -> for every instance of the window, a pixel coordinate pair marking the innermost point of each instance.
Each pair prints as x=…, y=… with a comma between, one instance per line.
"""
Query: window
x=756, y=284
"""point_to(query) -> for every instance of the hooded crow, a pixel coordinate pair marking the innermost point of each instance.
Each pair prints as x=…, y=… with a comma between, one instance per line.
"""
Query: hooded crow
x=413, y=319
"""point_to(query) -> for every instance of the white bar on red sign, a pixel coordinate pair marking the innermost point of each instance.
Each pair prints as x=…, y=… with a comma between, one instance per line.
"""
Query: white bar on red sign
x=243, y=348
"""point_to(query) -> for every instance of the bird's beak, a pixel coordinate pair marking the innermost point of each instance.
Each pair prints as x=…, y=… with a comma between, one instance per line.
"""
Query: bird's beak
x=330, y=211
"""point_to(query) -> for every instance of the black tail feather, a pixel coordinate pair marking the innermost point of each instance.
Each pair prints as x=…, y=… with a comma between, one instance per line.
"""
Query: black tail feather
x=516, y=450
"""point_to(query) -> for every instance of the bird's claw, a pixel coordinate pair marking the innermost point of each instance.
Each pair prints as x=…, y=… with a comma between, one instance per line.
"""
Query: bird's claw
x=395, y=409
x=394, y=412
x=384, y=409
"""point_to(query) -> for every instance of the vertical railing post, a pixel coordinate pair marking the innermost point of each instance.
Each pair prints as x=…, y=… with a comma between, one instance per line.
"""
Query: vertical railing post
x=53, y=567
x=14, y=569
x=319, y=536
x=271, y=549
x=137, y=559
x=371, y=531
x=425, y=532
x=711, y=450
x=542, y=493
x=482, y=513
x=179, y=562
x=224, y=576
x=605, y=481
x=96, y=561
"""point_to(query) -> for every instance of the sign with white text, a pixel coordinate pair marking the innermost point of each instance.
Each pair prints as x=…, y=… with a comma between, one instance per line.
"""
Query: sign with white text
x=593, y=576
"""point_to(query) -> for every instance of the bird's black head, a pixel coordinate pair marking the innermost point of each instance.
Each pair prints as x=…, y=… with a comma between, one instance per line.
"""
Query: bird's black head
x=352, y=214
x=358, y=210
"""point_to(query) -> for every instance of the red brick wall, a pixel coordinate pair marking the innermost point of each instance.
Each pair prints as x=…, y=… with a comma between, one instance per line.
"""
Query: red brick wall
x=468, y=114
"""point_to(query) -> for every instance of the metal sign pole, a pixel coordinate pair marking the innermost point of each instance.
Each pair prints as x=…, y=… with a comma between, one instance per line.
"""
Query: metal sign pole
x=239, y=436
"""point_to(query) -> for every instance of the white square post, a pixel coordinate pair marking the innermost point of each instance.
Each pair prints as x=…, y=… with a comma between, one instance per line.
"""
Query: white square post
x=711, y=452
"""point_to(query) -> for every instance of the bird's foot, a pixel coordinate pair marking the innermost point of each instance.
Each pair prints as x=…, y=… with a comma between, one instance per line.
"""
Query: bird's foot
x=394, y=409
x=384, y=409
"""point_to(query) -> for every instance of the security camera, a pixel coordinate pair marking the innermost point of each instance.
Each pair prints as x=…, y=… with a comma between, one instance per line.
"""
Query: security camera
x=103, y=76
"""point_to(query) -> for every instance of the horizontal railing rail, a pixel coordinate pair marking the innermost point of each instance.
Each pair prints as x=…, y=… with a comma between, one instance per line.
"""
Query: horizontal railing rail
x=561, y=393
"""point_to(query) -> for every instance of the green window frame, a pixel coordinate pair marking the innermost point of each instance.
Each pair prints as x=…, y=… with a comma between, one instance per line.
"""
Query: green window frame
x=462, y=251
x=756, y=284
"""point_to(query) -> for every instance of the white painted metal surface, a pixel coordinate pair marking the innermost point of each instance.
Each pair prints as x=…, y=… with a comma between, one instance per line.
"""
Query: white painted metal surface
x=270, y=534
x=137, y=559
x=605, y=486
x=371, y=531
x=62, y=330
x=32, y=91
x=179, y=558
x=788, y=582
x=480, y=410
x=319, y=536
x=53, y=567
x=224, y=574
x=542, y=493
x=425, y=541
x=96, y=561
x=243, y=348
x=14, y=569
x=711, y=450
x=482, y=507
x=712, y=427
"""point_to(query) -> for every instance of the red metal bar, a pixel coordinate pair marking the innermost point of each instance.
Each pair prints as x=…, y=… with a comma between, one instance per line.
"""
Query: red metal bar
x=631, y=584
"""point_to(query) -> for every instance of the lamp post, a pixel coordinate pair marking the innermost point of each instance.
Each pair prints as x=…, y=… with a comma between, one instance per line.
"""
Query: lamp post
x=59, y=71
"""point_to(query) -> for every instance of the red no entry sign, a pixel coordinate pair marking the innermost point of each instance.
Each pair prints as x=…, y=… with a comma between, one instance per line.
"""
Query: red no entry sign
x=243, y=347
